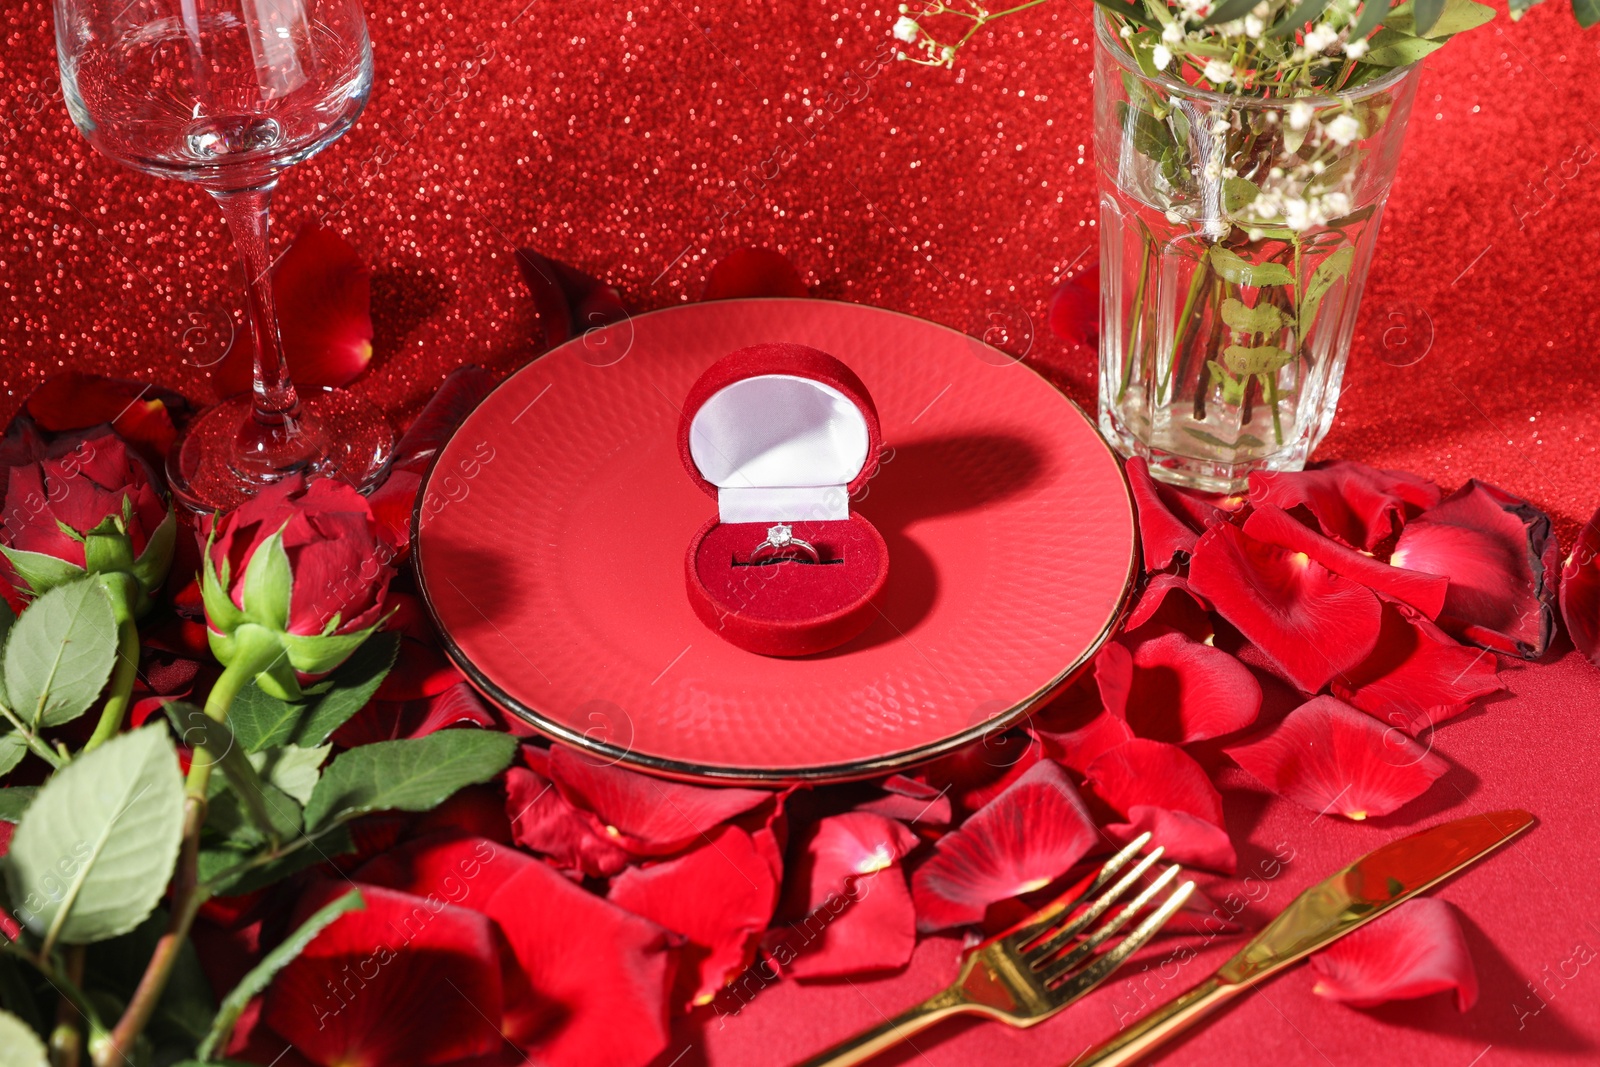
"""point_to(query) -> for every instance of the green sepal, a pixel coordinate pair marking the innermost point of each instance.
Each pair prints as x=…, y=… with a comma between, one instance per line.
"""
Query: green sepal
x=321, y=653
x=221, y=612
x=262, y=649
x=107, y=548
x=269, y=584
x=151, y=568
x=42, y=572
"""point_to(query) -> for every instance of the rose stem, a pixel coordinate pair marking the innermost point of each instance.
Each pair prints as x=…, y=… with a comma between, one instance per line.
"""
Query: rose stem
x=1138, y=314
x=119, y=587
x=66, y=1040
x=1203, y=385
x=1202, y=268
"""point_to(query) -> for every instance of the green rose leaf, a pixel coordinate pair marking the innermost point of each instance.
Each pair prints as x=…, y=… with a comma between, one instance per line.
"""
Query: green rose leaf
x=1438, y=19
x=94, y=851
x=1239, y=271
x=42, y=573
x=1263, y=318
x=1391, y=48
x=19, y=1045
x=417, y=774
x=60, y=653
x=12, y=749
x=293, y=769
x=1237, y=194
x=261, y=721
x=1587, y=12
x=15, y=801
x=1232, y=388
x=184, y=1012
x=260, y=976
x=1264, y=359
x=1330, y=270
x=1150, y=136
x=224, y=869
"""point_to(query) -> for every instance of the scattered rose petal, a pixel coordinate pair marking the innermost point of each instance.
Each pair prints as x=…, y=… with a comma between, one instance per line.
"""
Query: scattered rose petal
x=1168, y=600
x=392, y=506
x=454, y=868
x=1172, y=688
x=398, y=982
x=1330, y=758
x=1500, y=556
x=909, y=800
x=719, y=896
x=1142, y=773
x=1075, y=307
x=1360, y=505
x=324, y=296
x=976, y=773
x=1163, y=536
x=1311, y=623
x=476, y=811
x=848, y=908
x=569, y=301
x=1580, y=590
x=1413, y=951
x=546, y=822
x=1024, y=839
x=1074, y=729
x=1417, y=676
x=753, y=272
x=462, y=391
x=1186, y=839
x=1425, y=592
x=591, y=1006
x=142, y=415
x=650, y=816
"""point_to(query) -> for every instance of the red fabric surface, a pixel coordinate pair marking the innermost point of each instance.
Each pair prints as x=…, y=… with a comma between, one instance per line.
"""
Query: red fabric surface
x=644, y=141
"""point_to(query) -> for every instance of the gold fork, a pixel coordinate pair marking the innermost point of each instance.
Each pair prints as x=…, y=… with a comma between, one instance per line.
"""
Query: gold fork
x=1028, y=974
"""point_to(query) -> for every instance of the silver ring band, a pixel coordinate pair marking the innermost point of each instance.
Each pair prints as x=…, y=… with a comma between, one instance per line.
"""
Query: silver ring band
x=781, y=543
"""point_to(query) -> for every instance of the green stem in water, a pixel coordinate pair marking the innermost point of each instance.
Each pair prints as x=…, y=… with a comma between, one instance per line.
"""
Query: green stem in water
x=1138, y=316
x=123, y=592
x=1196, y=283
x=1270, y=385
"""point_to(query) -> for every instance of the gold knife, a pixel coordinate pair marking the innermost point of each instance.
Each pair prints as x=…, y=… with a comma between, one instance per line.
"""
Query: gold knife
x=1321, y=915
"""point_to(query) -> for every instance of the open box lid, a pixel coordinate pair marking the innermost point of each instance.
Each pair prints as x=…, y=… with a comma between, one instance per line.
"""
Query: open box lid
x=779, y=433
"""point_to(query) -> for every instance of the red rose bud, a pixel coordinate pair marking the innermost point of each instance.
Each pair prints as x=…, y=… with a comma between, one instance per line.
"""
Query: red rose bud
x=87, y=506
x=294, y=581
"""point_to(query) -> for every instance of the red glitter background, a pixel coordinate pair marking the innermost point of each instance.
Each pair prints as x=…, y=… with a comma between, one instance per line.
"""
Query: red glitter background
x=617, y=136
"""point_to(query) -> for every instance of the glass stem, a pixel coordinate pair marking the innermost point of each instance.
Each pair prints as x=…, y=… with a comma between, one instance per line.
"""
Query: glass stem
x=247, y=210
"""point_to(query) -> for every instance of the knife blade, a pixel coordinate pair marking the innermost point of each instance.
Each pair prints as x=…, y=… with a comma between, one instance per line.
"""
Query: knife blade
x=1346, y=901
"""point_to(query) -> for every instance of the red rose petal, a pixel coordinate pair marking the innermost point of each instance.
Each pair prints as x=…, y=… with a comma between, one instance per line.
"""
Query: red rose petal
x=392, y=506
x=1164, y=536
x=141, y=414
x=476, y=811
x=1500, y=556
x=403, y=981
x=1142, y=773
x=1580, y=590
x=753, y=272
x=1186, y=839
x=1075, y=307
x=976, y=773
x=1074, y=729
x=1329, y=757
x=324, y=295
x=1023, y=840
x=599, y=975
x=1417, y=677
x=420, y=670
x=1425, y=592
x=852, y=912
x=1359, y=505
x=1168, y=600
x=462, y=391
x=1413, y=951
x=651, y=816
x=544, y=821
x=1311, y=623
x=568, y=300
x=1172, y=688
x=909, y=800
x=719, y=896
x=458, y=869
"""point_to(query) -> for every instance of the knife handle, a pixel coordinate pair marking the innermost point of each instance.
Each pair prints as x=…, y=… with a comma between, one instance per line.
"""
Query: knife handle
x=1160, y=1025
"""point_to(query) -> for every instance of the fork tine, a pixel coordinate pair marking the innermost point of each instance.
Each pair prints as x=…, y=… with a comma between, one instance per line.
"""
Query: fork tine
x=1045, y=918
x=1053, y=969
x=1073, y=928
x=1102, y=968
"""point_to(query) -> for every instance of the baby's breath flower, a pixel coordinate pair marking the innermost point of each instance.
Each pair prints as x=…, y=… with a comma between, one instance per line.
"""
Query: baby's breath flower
x=1217, y=72
x=1254, y=26
x=1343, y=129
x=1356, y=49
x=1319, y=38
x=1299, y=115
x=1172, y=33
x=1127, y=32
x=906, y=29
x=1161, y=55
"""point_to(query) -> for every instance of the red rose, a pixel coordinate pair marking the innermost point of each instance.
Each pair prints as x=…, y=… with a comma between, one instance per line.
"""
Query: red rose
x=87, y=505
x=294, y=580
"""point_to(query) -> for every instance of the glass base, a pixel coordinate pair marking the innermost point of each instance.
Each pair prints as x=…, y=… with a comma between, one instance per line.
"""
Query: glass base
x=1219, y=473
x=225, y=456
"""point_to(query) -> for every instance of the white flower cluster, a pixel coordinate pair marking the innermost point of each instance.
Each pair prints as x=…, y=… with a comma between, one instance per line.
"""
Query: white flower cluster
x=909, y=31
x=1297, y=196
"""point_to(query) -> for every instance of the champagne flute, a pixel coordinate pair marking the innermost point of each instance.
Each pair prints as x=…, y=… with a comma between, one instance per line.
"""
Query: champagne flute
x=228, y=94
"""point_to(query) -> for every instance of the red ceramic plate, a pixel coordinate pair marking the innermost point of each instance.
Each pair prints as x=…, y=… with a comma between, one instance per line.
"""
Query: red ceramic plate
x=551, y=536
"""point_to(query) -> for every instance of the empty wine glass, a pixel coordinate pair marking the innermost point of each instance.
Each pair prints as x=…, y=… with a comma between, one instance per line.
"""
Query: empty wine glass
x=228, y=94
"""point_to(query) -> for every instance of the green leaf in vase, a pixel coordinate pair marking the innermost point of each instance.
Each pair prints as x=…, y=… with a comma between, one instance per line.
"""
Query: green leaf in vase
x=1298, y=18
x=416, y=774
x=60, y=653
x=1237, y=194
x=1240, y=271
x=1232, y=388
x=1448, y=17
x=1262, y=319
x=1391, y=48
x=95, y=849
x=1244, y=360
x=1330, y=270
x=1150, y=136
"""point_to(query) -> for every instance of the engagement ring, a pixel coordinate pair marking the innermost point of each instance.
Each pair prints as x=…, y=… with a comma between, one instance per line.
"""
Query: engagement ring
x=781, y=543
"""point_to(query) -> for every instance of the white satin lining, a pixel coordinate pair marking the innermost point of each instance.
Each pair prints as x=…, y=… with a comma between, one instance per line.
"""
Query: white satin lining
x=779, y=447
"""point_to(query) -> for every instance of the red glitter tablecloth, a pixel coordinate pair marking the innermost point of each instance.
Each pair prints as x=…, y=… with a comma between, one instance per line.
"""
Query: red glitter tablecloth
x=644, y=140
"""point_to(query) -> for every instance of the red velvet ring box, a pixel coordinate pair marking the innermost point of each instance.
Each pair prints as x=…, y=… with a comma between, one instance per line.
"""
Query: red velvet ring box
x=783, y=434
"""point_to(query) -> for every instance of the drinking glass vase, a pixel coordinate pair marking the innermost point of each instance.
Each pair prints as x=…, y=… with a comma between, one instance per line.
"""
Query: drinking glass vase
x=228, y=94
x=1236, y=233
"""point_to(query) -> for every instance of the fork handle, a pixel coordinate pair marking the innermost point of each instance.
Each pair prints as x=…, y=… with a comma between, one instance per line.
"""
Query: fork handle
x=1160, y=1025
x=869, y=1043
